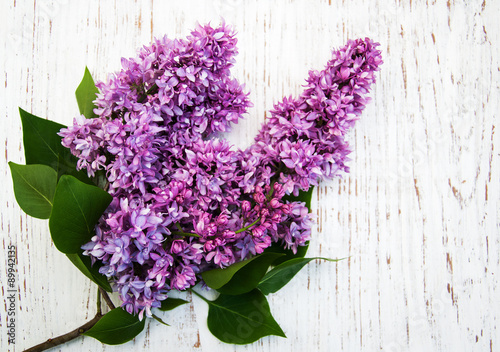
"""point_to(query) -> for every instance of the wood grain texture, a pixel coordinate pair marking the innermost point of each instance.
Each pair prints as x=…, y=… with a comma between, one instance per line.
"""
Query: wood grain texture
x=418, y=216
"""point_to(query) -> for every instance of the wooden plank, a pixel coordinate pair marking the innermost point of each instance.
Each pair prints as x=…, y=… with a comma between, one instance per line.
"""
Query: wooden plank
x=418, y=215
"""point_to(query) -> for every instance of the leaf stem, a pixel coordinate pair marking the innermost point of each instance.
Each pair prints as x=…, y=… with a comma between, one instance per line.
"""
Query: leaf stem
x=144, y=96
x=248, y=226
x=106, y=298
x=182, y=233
x=98, y=301
x=188, y=234
x=191, y=234
x=197, y=294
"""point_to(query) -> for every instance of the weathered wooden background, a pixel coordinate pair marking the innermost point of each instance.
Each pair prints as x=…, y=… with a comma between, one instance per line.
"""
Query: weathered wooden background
x=418, y=216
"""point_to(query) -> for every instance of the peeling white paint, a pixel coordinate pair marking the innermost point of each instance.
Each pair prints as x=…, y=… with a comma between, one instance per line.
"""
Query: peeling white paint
x=418, y=215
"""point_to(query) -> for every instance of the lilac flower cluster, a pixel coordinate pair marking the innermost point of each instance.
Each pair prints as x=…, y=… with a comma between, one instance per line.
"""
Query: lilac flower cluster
x=303, y=141
x=184, y=201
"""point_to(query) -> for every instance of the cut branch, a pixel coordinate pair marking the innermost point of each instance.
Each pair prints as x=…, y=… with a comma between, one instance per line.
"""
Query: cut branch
x=56, y=341
x=108, y=301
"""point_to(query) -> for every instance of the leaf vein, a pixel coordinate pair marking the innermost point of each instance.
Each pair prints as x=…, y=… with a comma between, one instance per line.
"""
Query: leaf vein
x=241, y=315
x=81, y=210
x=42, y=138
x=36, y=190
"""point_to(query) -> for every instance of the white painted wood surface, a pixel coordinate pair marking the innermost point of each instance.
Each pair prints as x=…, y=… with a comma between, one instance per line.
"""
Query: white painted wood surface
x=418, y=215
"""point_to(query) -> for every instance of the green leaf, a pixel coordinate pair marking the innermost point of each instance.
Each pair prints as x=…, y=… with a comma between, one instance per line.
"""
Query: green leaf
x=86, y=94
x=116, y=327
x=158, y=319
x=171, y=303
x=34, y=187
x=241, y=319
x=304, y=196
x=84, y=264
x=77, y=208
x=287, y=254
x=240, y=277
x=279, y=276
x=66, y=165
x=42, y=145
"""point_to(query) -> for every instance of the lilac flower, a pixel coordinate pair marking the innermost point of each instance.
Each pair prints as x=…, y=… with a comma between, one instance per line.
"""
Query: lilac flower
x=296, y=231
x=185, y=201
x=303, y=141
x=118, y=250
x=85, y=140
x=161, y=269
x=183, y=277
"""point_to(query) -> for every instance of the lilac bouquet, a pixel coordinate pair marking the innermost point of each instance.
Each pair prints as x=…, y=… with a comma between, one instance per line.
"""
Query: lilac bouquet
x=183, y=206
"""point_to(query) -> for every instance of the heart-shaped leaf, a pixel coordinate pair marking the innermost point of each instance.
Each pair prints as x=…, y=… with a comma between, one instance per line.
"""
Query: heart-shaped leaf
x=240, y=277
x=241, y=319
x=171, y=303
x=86, y=94
x=280, y=275
x=76, y=210
x=84, y=264
x=34, y=187
x=42, y=145
x=116, y=327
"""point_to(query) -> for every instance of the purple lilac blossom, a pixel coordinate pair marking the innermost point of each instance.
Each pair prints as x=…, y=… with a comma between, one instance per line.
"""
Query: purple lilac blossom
x=304, y=141
x=185, y=201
